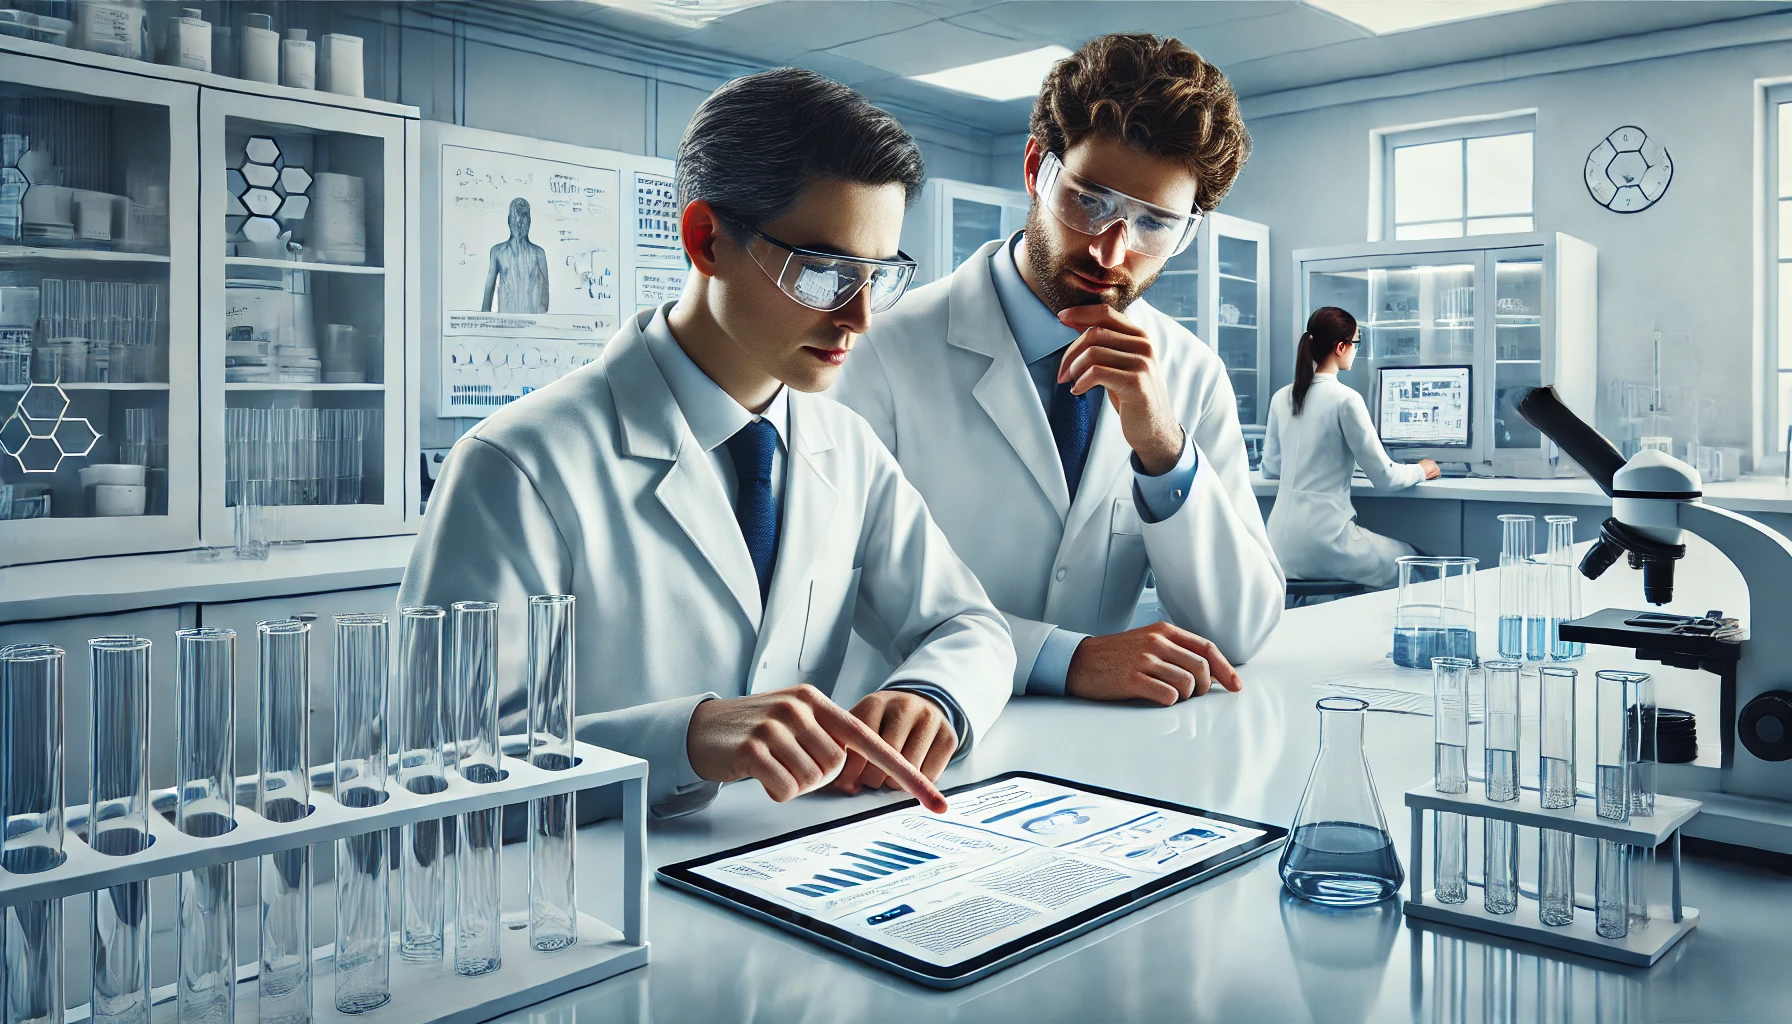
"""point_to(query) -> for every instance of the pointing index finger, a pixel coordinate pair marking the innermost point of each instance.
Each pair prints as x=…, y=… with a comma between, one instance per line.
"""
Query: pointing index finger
x=856, y=735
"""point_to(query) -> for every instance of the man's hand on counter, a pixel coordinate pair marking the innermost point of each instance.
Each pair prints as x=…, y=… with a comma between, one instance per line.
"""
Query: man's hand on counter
x=1161, y=663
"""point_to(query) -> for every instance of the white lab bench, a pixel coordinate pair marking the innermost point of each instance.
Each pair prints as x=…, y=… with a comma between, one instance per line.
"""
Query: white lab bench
x=1235, y=948
x=1461, y=515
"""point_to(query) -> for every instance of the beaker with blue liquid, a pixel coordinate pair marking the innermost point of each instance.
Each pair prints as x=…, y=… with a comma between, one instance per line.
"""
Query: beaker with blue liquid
x=1339, y=852
x=1435, y=617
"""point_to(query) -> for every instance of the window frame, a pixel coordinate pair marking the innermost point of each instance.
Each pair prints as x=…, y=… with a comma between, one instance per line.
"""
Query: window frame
x=1771, y=419
x=1387, y=140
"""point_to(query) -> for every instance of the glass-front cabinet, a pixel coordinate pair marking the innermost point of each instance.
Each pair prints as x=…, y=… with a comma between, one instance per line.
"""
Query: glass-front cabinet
x=1519, y=311
x=302, y=316
x=98, y=389
x=1219, y=289
x=204, y=298
x=952, y=219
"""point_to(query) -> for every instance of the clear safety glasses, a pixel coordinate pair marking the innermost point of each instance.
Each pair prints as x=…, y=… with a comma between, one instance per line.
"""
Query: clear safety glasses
x=1091, y=209
x=826, y=281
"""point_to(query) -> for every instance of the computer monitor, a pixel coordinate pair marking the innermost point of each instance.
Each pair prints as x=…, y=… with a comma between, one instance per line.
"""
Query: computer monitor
x=1425, y=406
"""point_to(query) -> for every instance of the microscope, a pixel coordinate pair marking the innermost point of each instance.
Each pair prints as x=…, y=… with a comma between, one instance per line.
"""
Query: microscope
x=1655, y=497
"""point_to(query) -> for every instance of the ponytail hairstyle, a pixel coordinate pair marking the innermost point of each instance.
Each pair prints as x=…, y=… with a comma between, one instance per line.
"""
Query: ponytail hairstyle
x=1328, y=326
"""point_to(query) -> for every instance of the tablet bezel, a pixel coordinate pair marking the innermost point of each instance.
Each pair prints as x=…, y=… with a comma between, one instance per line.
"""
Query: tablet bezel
x=682, y=875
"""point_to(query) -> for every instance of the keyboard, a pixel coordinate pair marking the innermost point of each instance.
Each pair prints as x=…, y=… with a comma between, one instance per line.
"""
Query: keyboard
x=1453, y=469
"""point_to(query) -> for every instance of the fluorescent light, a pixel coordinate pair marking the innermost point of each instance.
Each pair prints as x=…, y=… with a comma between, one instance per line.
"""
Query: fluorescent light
x=1005, y=78
x=1387, y=16
x=689, y=13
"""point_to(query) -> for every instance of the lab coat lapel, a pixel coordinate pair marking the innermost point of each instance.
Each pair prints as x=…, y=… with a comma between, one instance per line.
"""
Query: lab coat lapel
x=809, y=500
x=653, y=428
x=975, y=323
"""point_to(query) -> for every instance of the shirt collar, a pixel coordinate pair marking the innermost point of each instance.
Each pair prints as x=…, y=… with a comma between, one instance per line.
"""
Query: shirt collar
x=712, y=414
x=1036, y=327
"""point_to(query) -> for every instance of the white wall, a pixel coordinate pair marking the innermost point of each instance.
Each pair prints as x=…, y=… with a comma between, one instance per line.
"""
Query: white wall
x=1686, y=266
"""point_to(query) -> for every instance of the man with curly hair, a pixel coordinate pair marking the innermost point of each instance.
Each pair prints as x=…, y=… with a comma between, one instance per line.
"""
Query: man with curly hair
x=1067, y=436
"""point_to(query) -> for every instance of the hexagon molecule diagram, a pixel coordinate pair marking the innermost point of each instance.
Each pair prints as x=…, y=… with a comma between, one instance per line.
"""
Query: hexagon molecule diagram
x=39, y=434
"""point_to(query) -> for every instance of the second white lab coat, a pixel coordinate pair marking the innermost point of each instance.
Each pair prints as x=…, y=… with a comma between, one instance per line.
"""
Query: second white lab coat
x=1313, y=525
x=942, y=381
x=595, y=486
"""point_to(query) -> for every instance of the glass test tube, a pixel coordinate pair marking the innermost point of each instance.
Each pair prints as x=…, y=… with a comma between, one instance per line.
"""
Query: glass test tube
x=31, y=794
x=1616, y=696
x=1640, y=718
x=553, y=903
x=205, y=780
x=1499, y=890
x=363, y=947
x=1556, y=790
x=118, y=824
x=1515, y=582
x=422, y=879
x=1449, y=706
x=1562, y=587
x=478, y=871
x=282, y=794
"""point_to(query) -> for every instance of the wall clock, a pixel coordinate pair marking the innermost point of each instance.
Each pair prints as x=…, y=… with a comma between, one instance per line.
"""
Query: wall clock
x=1628, y=171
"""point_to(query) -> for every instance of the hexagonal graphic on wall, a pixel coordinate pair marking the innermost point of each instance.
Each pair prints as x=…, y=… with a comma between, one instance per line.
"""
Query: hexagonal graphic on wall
x=39, y=434
x=1628, y=172
x=270, y=192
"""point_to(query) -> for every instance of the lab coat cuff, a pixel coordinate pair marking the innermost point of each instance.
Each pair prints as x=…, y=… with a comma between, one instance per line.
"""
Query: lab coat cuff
x=955, y=716
x=1160, y=497
x=1051, y=670
x=685, y=777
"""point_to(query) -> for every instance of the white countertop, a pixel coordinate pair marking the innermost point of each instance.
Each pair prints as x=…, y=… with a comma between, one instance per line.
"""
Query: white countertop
x=1749, y=494
x=1235, y=948
x=98, y=586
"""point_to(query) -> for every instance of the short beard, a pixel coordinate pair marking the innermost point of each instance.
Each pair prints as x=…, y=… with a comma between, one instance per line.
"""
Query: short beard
x=1049, y=267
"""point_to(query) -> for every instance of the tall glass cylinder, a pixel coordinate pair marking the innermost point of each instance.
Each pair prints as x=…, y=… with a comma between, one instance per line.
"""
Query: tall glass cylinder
x=1562, y=588
x=1499, y=889
x=118, y=824
x=1517, y=568
x=1449, y=708
x=205, y=780
x=1640, y=739
x=283, y=794
x=363, y=939
x=31, y=802
x=422, y=879
x=553, y=902
x=478, y=871
x=1556, y=790
x=1616, y=699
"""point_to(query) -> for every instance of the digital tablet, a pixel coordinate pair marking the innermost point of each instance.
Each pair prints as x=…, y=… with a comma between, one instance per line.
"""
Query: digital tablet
x=1018, y=864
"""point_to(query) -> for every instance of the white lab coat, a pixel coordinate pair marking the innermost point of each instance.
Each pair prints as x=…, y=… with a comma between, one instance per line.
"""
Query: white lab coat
x=942, y=381
x=594, y=486
x=1313, y=524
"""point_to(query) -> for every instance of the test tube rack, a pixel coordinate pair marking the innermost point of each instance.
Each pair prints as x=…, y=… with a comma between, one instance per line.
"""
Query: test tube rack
x=427, y=993
x=1641, y=948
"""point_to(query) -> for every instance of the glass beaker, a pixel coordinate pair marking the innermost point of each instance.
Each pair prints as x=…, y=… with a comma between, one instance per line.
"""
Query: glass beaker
x=1436, y=613
x=1339, y=852
x=1562, y=587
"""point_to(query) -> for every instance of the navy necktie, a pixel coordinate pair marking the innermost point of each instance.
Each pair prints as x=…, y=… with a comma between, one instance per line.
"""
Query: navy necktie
x=1073, y=421
x=755, y=506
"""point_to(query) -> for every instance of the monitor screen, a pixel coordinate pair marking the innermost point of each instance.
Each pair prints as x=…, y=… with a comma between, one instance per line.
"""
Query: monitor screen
x=1425, y=406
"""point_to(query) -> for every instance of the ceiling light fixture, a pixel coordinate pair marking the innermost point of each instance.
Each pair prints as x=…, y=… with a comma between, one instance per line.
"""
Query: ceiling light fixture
x=1005, y=78
x=1383, y=17
x=689, y=13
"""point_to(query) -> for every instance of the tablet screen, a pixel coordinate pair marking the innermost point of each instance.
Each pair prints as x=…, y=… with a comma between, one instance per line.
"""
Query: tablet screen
x=1012, y=856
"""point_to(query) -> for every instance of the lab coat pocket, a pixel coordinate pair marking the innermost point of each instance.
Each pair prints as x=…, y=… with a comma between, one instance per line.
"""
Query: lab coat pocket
x=831, y=602
x=1127, y=561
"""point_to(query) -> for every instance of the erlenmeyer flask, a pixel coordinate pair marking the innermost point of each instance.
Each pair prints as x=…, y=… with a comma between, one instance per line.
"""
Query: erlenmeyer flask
x=1339, y=853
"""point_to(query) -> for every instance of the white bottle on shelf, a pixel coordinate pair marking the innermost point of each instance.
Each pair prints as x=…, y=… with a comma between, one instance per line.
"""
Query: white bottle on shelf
x=261, y=50
x=189, y=41
x=340, y=69
x=300, y=57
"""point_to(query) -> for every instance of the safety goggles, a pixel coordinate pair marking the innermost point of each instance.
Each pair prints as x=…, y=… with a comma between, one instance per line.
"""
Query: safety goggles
x=1083, y=206
x=826, y=281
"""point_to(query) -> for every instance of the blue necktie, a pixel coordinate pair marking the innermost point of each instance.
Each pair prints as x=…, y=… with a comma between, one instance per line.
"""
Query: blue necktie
x=755, y=506
x=1073, y=421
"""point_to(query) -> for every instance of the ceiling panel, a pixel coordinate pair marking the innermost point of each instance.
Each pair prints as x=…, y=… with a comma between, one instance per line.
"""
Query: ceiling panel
x=840, y=69
x=1071, y=23
x=1292, y=28
x=934, y=46
x=782, y=30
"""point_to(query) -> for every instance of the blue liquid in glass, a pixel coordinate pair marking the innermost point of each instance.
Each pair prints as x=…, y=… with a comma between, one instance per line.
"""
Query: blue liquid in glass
x=1564, y=650
x=1537, y=635
x=1511, y=636
x=1414, y=647
x=1341, y=864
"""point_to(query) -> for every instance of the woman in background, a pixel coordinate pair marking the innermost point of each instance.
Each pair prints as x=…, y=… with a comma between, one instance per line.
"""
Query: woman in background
x=1318, y=429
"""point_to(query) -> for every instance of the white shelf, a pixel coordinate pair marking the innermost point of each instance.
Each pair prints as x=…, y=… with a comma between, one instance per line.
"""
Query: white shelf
x=93, y=387
x=1582, y=819
x=1517, y=362
x=278, y=386
x=1641, y=948
x=332, y=268
x=1240, y=327
x=32, y=252
x=1234, y=277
